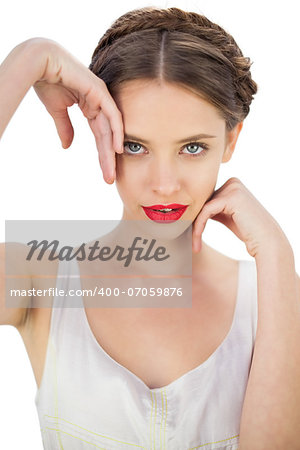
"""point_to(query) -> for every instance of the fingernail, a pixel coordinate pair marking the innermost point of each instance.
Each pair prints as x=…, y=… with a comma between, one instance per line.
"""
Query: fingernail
x=111, y=179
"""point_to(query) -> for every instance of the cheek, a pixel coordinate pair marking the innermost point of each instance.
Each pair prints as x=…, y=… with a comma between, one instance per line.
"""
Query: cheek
x=128, y=179
x=203, y=176
x=202, y=183
x=130, y=170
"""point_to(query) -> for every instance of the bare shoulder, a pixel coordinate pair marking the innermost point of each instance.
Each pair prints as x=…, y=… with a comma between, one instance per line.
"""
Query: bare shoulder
x=216, y=265
x=36, y=328
x=15, y=284
x=44, y=276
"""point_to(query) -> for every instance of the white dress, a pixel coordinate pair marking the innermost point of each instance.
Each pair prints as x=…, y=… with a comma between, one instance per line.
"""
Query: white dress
x=87, y=400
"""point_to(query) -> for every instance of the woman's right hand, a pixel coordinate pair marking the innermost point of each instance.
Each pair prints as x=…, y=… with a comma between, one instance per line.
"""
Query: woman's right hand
x=67, y=81
x=60, y=80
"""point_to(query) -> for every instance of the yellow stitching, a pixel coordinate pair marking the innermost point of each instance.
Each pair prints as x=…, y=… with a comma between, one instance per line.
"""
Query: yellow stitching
x=122, y=442
x=165, y=418
x=83, y=440
x=162, y=416
x=202, y=445
x=151, y=420
x=56, y=397
x=55, y=388
x=154, y=421
x=93, y=432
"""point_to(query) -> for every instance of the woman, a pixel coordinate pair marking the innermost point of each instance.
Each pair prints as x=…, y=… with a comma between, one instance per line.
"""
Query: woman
x=172, y=75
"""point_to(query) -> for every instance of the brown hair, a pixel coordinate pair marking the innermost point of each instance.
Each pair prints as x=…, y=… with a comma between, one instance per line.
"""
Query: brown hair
x=178, y=47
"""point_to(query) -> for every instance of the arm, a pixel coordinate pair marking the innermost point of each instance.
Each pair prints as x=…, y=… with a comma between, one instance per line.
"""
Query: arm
x=17, y=76
x=271, y=411
x=60, y=81
x=13, y=255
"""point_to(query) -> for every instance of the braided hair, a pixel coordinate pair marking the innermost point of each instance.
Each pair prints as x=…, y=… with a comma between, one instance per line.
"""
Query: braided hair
x=177, y=46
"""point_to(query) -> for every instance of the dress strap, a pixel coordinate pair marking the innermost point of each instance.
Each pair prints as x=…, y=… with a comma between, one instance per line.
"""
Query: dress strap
x=68, y=287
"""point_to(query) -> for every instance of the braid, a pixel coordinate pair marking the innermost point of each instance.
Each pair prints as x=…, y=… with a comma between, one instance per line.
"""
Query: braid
x=176, y=20
x=171, y=19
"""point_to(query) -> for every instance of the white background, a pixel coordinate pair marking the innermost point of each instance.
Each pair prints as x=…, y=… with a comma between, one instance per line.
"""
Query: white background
x=40, y=180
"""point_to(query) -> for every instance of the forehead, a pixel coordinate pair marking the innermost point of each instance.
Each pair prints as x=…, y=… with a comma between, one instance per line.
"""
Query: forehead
x=148, y=103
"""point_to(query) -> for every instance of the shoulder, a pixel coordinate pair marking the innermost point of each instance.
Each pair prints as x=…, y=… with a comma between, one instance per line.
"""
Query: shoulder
x=43, y=274
x=15, y=283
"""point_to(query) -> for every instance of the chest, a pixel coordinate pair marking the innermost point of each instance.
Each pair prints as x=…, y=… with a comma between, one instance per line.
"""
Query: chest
x=158, y=344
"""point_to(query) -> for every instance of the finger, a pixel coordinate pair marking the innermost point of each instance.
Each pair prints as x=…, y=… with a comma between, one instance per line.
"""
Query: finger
x=113, y=114
x=196, y=244
x=64, y=127
x=209, y=210
x=109, y=177
x=103, y=136
x=107, y=158
x=196, y=240
x=116, y=123
x=98, y=98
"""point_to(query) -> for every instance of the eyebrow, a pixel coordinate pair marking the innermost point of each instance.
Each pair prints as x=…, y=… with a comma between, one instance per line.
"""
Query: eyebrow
x=189, y=138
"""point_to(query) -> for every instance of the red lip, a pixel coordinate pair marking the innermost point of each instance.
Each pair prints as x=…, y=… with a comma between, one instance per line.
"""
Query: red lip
x=172, y=205
x=167, y=217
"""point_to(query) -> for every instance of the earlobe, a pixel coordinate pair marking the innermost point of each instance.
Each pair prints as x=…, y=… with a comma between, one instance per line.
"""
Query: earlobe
x=227, y=154
x=231, y=140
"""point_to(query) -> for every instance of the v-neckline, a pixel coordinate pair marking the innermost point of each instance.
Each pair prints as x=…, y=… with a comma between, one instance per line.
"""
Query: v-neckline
x=180, y=379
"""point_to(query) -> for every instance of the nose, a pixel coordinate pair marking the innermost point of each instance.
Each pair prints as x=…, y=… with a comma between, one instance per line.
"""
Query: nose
x=165, y=178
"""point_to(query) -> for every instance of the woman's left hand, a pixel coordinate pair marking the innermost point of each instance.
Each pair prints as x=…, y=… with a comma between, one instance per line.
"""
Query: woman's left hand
x=235, y=207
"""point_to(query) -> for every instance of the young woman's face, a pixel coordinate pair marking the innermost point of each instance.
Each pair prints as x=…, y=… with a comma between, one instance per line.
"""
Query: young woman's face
x=164, y=161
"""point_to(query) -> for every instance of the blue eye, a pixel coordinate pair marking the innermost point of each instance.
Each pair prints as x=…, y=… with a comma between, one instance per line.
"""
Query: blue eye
x=196, y=145
x=133, y=148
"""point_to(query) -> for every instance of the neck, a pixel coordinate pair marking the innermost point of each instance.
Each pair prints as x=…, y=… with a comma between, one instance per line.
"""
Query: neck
x=150, y=248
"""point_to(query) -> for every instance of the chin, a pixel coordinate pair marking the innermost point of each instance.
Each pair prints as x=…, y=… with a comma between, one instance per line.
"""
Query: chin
x=163, y=230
